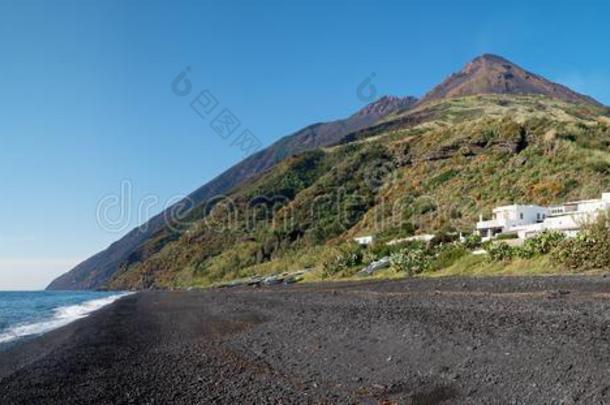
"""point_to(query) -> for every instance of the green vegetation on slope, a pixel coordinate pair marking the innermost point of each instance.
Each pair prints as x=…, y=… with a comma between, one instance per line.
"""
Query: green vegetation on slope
x=433, y=174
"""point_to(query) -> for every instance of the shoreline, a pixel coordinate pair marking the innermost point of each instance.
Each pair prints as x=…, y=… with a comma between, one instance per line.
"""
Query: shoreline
x=458, y=340
x=22, y=351
x=62, y=315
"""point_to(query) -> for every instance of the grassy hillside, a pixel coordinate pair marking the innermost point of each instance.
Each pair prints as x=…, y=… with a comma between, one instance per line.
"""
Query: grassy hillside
x=431, y=169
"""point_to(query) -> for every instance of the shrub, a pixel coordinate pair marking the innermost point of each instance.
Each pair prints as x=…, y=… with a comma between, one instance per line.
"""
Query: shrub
x=412, y=261
x=333, y=266
x=600, y=166
x=472, y=241
x=442, y=178
x=379, y=250
x=424, y=205
x=370, y=256
x=589, y=250
x=500, y=252
x=399, y=261
x=448, y=254
x=542, y=244
x=442, y=238
x=349, y=256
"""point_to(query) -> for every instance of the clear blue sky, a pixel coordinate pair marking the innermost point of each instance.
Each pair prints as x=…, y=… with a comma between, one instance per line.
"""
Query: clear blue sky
x=86, y=100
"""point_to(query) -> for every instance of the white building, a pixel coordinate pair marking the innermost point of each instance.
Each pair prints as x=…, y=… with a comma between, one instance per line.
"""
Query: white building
x=529, y=220
x=509, y=218
x=364, y=240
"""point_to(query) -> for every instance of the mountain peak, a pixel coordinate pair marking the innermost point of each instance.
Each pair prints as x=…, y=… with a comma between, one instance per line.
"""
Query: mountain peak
x=492, y=58
x=493, y=74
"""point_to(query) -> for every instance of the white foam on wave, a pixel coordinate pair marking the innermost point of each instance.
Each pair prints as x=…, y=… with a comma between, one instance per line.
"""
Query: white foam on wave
x=61, y=317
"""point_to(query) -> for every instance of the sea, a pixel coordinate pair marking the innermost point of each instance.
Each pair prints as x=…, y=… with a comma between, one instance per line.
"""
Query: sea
x=26, y=314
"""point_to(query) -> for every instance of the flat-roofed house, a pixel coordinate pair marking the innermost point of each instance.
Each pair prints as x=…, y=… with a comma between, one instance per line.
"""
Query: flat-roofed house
x=529, y=220
x=507, y=218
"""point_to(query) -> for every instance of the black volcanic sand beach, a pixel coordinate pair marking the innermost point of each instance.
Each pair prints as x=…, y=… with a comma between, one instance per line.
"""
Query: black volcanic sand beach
x=502, y=340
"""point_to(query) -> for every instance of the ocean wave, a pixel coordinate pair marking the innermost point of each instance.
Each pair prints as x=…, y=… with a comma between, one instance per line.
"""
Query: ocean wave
x=61, y=317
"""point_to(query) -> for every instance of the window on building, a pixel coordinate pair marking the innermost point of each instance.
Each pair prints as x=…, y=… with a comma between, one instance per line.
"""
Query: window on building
x=521, y=215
